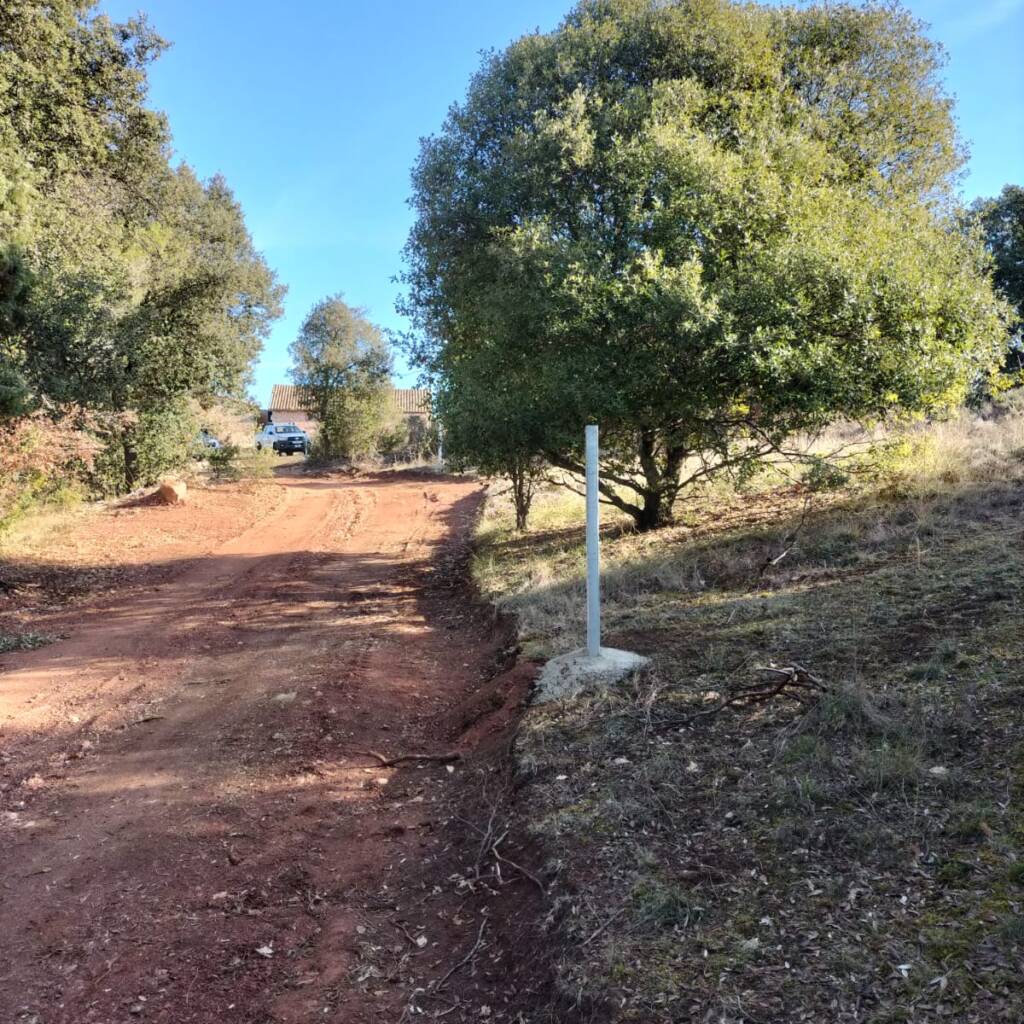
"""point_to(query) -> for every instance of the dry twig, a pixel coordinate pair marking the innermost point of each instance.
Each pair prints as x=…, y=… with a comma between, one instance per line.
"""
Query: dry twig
x=593, y=935
x=390, y=762
x=788, y=542
x=793, y=681
x=490, y=839
x=465, y=960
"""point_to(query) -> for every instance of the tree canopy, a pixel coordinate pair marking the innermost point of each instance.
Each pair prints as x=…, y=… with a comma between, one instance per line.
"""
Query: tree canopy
x=1002, y=222
x=127, y=287
x=703, y=225
x=342, y=365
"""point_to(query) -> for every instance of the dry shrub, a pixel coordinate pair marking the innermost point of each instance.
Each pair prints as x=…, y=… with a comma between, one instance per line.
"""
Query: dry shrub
x=41, y=461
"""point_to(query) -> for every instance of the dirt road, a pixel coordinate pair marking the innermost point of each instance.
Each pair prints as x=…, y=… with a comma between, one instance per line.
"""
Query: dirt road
x=192, y=828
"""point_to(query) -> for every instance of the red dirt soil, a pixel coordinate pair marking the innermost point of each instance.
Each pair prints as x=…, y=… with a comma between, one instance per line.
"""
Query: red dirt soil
x=191, y=829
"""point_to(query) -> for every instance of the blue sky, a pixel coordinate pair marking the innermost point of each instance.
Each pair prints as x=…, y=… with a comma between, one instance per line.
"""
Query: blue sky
x=313, y=111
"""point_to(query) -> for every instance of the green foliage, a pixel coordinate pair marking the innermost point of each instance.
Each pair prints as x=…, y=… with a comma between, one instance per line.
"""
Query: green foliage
x=14, y=395
x=126, y=286
x=395, y=440
x=230, y=463
x=224, y=463
x=1002, y=222
x=408, y=438
x=73, y=89
x=342, y=365
x=822, y=475
x=357, y=423
x=703, y=225
x=135, y=316
x=140, y=449
x=491, y=425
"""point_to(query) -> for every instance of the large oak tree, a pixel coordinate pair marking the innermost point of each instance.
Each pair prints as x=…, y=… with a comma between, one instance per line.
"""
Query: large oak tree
x=703, y=225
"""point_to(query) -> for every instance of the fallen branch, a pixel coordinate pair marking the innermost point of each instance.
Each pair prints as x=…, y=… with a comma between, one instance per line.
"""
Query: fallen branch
x=390, y=762
x=793, y=681
x=518, y=867
x=490, y=839
x=700, y=873
x=789, y=541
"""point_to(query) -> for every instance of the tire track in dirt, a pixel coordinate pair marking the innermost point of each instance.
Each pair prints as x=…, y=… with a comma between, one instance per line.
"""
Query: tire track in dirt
x=211, y=848
x=128, y=639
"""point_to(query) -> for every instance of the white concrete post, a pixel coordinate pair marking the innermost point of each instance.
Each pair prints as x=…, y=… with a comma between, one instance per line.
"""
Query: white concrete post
x=593, y=549
x=591, y=667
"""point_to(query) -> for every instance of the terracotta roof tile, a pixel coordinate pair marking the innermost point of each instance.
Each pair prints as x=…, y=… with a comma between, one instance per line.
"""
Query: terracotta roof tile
x=285, y=398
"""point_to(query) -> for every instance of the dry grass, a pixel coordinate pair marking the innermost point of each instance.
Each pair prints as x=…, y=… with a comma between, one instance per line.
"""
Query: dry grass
x=858, y=860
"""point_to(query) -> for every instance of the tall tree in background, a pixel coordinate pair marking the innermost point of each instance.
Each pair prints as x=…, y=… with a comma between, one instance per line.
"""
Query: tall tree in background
x=75, y=136
x=1002, y=223
x=169, y=307
x=342, y=365
x=703, y=225
x=491, y=426
x=15, y=399
x=135, y=288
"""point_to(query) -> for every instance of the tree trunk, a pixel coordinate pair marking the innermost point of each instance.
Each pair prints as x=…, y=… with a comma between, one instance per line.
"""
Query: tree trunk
x=655, y=495
x=131, y=463
x=661, y=477
x=652, y=514
x=522, y=492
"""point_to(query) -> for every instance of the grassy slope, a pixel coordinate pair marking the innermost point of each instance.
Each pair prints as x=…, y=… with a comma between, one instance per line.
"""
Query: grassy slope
x=859, y=859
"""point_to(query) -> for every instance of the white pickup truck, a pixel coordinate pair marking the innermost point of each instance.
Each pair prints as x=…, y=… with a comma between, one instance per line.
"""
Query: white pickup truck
x=283, y=438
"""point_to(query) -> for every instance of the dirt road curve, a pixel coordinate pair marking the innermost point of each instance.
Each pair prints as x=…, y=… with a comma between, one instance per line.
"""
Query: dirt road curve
x=190, y=830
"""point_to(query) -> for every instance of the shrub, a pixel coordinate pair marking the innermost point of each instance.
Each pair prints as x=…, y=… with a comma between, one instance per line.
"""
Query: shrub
x=139, y=449
x=231, y=463
x=42, y=462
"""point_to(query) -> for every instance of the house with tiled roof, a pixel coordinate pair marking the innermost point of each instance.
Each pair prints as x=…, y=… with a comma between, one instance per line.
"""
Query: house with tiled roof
x=286, y=406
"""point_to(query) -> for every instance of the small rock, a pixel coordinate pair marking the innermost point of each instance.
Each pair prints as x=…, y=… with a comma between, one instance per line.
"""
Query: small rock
x=285, y=698
x=279, y=736
x=265, y=951
x=172, y=492
x=939, y=771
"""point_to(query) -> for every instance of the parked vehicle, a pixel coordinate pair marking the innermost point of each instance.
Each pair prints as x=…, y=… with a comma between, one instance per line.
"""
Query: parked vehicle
x=283, y=438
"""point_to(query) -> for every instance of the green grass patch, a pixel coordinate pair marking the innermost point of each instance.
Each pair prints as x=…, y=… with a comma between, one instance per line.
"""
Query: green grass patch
x=24, y=641
x=825, y=860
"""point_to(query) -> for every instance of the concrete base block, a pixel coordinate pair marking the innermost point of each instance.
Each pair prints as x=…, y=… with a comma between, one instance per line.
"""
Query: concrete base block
x=574, y=673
